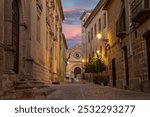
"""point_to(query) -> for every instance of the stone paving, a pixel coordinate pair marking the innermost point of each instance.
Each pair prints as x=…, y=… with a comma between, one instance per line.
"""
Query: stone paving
x=89, y=91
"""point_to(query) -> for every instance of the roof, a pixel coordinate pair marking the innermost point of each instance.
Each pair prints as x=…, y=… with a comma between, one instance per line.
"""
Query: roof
x=85, y=12
x=94, y=12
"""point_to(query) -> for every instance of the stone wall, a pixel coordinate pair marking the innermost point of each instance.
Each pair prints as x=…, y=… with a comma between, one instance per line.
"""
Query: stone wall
x=115, y=51
x=41, y=73
x=136, y=49
x=138, y=60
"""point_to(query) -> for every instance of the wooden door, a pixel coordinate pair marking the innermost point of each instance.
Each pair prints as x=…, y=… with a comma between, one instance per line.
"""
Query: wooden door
x=114, y=71
x=126, y=65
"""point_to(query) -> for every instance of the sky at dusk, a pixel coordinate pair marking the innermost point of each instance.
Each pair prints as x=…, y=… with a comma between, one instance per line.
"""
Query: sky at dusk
x=73, y=9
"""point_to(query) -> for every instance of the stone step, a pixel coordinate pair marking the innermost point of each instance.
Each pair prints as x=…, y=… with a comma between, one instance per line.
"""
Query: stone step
x=28, y=82
x=17, y=87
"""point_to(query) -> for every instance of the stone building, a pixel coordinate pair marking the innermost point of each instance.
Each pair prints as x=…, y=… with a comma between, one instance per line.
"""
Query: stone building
x=127, y=29
x=30, y=36
x=83, y=19
x=74, y=62
x=94, y=23
x=57, y=38
x=128, y=34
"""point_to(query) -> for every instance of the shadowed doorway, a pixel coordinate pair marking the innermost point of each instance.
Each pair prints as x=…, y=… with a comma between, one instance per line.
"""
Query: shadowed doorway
x=15, y=34
x=77, y=71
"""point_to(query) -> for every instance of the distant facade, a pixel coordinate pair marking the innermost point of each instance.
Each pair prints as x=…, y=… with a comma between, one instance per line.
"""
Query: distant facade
x=30, y=39
x=94, y=23
x=74, y=62
x=129, y=35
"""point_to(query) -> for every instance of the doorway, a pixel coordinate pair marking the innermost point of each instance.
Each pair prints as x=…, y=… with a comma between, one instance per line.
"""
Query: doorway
x=148, y=55
x=15, y=34
x=126, y=65
x=114, y=71
x=77, y=72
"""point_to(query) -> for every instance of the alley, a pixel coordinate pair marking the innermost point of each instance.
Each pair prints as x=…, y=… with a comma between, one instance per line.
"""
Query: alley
x=90, y=91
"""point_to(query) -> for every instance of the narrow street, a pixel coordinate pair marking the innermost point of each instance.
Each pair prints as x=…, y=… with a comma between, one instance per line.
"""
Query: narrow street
x=89, y=91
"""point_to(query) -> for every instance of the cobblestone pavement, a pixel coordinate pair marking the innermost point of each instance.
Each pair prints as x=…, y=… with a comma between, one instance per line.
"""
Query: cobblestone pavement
x=91, y=91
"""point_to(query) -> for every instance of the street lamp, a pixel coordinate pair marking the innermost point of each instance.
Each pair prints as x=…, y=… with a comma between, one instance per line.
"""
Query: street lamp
x=98, y=51
x=68, y=62
x=99, y=36
x=83, y=60
x=99, y=54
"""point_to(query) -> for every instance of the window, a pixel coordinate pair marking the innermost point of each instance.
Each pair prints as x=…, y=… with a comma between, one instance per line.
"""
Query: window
x=91, y=33
x=99, y=25
x=100, y=49
x=104, y=20
x=92, y=54
x=38, y=30
x=88, y=36
x=95, y=30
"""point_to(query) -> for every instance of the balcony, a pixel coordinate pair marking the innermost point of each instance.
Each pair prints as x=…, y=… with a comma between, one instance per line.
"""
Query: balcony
x=140, y=10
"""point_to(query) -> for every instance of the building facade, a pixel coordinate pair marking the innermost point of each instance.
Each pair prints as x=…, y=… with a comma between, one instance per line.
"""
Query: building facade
x=74, y=62
x=127, y=30
x=93, y=24
x=128, y=34
x=30, y=37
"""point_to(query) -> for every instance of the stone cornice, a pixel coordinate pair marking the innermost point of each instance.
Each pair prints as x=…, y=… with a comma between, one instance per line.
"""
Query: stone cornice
x=64, y=39
x=98, y=7
x=61, y=9
x=84, y=13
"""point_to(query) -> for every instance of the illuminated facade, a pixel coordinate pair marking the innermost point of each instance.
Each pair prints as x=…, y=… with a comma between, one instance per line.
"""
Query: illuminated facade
x=128, y=34
x=74, y=60
x=30, y=39
x=93, y=24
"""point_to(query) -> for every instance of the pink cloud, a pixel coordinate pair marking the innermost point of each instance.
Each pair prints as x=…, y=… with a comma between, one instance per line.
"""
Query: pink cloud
x=72, y=31
x=72, y=9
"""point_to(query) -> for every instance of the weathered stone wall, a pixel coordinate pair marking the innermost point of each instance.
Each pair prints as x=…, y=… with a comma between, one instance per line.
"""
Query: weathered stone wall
x=41, y=73
x=138, y=61
x=136, y=49
x=115, y=51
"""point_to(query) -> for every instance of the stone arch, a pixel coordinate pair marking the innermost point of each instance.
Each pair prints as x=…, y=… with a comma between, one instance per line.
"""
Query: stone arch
x=77, y=71
x=76, y=66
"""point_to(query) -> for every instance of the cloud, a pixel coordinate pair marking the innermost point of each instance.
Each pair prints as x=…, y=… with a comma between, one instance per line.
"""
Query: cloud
x=72, y=15
x=72, y=34
x=71, y=30
x=71, y=43
x=73, y=9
